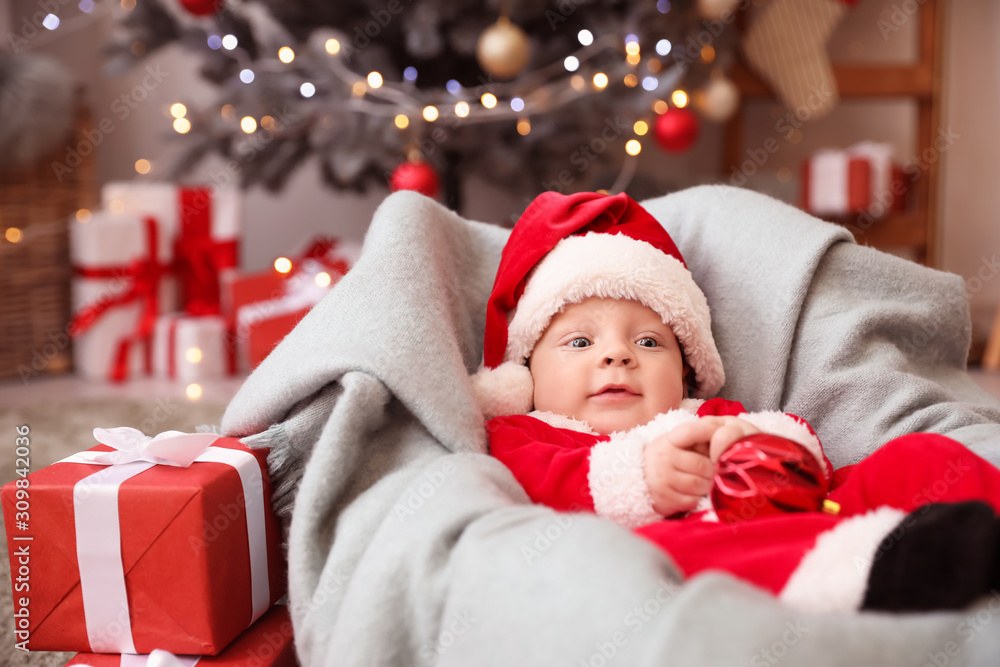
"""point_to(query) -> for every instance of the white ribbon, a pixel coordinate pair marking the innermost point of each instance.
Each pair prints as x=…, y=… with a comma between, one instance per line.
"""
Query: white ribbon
x=98, y=530
x=159, y=658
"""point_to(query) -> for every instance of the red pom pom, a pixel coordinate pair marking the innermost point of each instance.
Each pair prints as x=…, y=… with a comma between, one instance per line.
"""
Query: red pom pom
x=418, y=176
x=762, y=475
x=202, y=7
x=676, y=129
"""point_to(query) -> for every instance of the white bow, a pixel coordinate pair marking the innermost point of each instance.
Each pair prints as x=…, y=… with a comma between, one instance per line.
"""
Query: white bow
x=170, y=448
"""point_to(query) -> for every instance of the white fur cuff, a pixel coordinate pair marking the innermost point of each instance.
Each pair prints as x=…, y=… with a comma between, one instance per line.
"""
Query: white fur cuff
x=618, y=483
x=778, y=423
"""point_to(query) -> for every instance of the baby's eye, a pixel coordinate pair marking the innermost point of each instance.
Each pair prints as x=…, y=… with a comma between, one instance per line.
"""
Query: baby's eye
x=573, y=343
x=652, y=342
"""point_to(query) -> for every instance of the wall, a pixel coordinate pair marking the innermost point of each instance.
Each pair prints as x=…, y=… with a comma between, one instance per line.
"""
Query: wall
x=970, y=199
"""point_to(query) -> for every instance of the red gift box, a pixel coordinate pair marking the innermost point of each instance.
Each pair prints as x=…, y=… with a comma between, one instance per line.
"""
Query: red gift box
x=267, y=644
x=176, y=558
x=266, y=306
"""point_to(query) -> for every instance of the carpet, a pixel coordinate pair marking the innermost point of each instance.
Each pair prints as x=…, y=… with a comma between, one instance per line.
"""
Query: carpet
x=56, y=431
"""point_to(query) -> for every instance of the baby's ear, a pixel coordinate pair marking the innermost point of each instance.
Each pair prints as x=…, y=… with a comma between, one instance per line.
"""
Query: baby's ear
x=505, y=390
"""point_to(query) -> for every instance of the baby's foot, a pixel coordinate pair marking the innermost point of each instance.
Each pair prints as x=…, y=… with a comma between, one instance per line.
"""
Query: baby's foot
x=942, y=556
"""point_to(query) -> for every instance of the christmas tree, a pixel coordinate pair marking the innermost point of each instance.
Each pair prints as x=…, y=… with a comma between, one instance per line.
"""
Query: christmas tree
x=526, y=95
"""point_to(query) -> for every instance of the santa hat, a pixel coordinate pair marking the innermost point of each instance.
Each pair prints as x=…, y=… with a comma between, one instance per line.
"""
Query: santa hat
x=565, y=249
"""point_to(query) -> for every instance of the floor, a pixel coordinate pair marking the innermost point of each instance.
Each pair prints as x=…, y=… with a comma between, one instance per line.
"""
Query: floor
x=68, y=388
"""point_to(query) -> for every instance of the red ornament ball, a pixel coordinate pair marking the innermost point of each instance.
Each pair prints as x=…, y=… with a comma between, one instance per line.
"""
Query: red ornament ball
x=418, y=176
x=202, y=7
x=763, y=475
x=676, y=129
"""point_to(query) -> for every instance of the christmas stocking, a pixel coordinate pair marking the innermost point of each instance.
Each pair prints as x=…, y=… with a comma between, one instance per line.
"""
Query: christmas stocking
x=786, y=45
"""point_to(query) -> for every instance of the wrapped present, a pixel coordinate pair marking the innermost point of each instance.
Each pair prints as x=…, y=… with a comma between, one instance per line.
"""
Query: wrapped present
x=121, y=284
x=268, y=643
x=191, y=349
x=149, y=543
x=203, y=224
x=860, y=179
x=267, y=305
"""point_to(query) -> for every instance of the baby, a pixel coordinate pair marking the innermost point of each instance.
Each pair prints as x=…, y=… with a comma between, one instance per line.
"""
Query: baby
x=598, y=358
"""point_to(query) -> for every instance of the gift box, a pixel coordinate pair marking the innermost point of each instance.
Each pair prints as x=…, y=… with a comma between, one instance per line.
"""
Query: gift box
x=154, y=543
x=203, y=226
x=192, y=349
x=121, y=283
x=857, y=180
x=267, y=305
x=268, y=643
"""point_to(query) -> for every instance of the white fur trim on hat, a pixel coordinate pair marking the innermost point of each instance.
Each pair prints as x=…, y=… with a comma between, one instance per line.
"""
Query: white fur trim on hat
x=833, y=576
x=616, y=266
x=504, y=390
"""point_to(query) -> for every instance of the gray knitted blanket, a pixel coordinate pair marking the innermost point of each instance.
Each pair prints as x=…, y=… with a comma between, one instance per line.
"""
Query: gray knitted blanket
x=408, y=545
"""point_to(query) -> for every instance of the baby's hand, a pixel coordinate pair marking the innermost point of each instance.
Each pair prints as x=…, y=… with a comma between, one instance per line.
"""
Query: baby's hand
x=679, y=465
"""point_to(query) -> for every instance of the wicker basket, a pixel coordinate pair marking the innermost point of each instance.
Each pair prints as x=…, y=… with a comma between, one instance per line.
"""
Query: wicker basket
x=38, y=201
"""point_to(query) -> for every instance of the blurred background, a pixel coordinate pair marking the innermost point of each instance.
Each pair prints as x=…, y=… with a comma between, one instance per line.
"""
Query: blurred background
x=180, y=180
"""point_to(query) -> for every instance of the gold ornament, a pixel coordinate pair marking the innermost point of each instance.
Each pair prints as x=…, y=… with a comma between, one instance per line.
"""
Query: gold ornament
x=718, y=100
x=503, y=49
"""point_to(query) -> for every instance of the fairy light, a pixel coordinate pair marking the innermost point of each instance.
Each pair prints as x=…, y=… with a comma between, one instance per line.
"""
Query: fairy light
x=307, y=89
x=430, y=113
x=633, y=147
x=117, y=205
x=229, y=42
x=517, y=104
x=332, y=46
x=246, y=75
x=489, y=100
x=633, y=58
x=631, y=80
x=286, y=54
x=182, y=125
x=322, y=279
x=632, y=48
x=707, y=53
x=663, y=47
x=13, y=234
x=401, y=121
x=577, y=82
x=410, y=74
x=142, y=166
x=374, y=80
x=654, y=65
x=83, y=215
x=359, y=88
x=660, y=107
x=248, y=124
x=679, y=98
x=51, y=21
x=650, y=82
x=193, y=391
x=640, y=127
x=282, y=265
x=600, y=80
x=178, y=110
x=462, y=109
x=214, y=42
x=227, y=111
x=453, y=87
x=128, y=5
x=267, y=122
x=523, y=127
x=571, y=63
x=193, y=355
x=586, y=37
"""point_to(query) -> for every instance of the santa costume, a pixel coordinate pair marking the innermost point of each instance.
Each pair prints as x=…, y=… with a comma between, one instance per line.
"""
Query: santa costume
x=917, y=524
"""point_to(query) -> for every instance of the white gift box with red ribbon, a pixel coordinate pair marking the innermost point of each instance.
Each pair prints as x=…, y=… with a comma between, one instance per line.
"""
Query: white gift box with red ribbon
x=192, y=349
x=859, y=179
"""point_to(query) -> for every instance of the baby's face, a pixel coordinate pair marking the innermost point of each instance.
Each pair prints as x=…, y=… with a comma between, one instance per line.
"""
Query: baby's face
x=600, y=342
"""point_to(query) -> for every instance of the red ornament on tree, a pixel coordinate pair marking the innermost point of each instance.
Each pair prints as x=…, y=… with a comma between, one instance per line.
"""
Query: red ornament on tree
x=202, y=7
x=418, y=176
x=676, y=129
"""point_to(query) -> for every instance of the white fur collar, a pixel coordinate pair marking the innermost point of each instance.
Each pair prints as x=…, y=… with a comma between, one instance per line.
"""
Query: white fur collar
x=688, y=405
